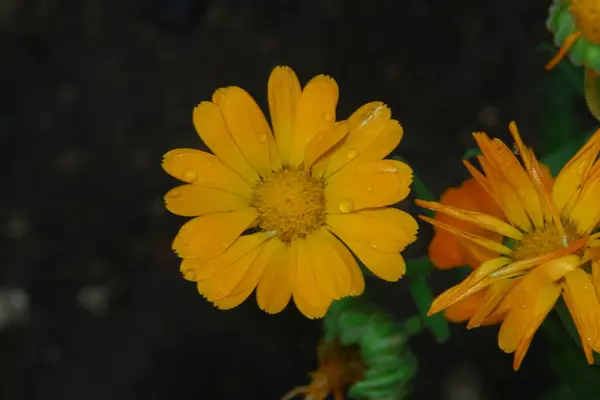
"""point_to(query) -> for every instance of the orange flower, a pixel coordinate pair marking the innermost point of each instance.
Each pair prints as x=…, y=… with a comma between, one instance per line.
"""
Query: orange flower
x=550, y=243
x=275, y=209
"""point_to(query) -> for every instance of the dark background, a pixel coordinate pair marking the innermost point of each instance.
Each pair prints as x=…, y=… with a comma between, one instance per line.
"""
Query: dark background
x=92, y=93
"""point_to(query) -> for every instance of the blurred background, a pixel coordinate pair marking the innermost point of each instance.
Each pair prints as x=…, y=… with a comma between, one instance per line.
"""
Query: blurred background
x=92, y=304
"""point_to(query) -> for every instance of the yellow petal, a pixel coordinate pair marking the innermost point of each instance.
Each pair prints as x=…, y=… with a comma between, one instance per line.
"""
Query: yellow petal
x=357, y=281
x=573, y=174
x=387, y=266
x=485, y=221
x=493, y=296
x=210, y=125
x=388, y=139
x=234, y=300
x=596, y=275
x=584, y=306
x=385, y=229
x=196, y=269
x=204, y=169
x=220, y=284
x=284, y=95
x=275, y=285
x=209, y=235
x=331, y=271
x=323, y=142
x=307, y=285
x=365, y=126
x=249, y=129
x=316, y=112
x=368, y=185
x=250, y=280
x=192, y=200
x=308, y=309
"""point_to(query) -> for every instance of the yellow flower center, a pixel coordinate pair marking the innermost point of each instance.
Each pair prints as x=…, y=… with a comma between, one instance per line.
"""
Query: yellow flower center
x=290, y=203
x=544, y=241
x=587, y=18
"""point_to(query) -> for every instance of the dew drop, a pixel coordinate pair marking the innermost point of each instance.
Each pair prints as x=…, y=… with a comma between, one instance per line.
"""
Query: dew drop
x=225, y=244
x=370, y=188
x=346, y=206
x=328, y=117
x=352, y=154
x=189, y=175
x=175, y=194
x=262, y=137
x=189, y=275
x=390, y=169
x=373, y=246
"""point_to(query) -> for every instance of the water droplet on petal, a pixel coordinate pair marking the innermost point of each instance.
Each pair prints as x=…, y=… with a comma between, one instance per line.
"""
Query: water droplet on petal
x=373, y=246
x=328, y=117
x=346, y=206
x=175, y=194
x=390, y=169
x=189, y=275
x=189, y=175
x=370, y=188
x=225, y=244
x=352, y=154
x=262, y=137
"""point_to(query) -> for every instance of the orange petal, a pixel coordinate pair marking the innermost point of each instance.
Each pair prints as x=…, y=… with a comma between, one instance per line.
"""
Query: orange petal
x=275, y=285
x=250, y=280
x=385, y=229
x=284, y=94
x=365, y=126
x=204, y=169
x=323, y=142
x=493, y=297
x=249, y=129
x=445, y=251
x=195, y=269
x=483, y=220
x=192, y=200
x=464, y=309
x=210, y=125
x=584, y=306
x=596, y=275
x=209, y=235
x=316, y=112
x=368, y=185
x=586, y=213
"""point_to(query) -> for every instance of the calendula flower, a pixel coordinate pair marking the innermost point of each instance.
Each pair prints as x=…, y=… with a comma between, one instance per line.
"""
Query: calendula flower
x=576, y=28
x=549, y=246
x=447, y=250
x=273, y=209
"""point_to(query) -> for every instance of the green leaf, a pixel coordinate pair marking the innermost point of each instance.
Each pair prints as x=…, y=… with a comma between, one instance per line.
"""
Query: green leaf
x=421, y=293
x=567, y=321
x=419, y=266
x=556, y=160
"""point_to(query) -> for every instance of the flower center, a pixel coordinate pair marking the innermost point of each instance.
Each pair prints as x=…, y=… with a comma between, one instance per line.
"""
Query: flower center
x=544, y=241
x=290, y=203
x=587, y=18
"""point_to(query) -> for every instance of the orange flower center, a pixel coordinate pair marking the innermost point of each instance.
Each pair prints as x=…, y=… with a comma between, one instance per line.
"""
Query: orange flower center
x=544, y=241
x=290, y=203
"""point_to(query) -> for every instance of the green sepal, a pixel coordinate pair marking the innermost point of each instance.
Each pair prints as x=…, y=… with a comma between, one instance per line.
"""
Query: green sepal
x=423, y=296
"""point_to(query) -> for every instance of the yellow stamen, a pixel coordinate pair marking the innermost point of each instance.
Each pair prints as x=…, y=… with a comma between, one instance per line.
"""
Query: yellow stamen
x=290, y=203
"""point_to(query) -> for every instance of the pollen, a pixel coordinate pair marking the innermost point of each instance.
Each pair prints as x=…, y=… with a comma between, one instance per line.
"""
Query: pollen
x=290, y=203
x=543, y=241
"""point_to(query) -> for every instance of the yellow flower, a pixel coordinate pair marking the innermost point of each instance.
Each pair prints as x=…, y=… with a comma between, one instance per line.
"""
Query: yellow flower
x=272, y=210
x=549, y=246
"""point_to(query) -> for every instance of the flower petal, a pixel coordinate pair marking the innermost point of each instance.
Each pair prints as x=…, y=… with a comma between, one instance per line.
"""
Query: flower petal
x=365, y=126
x=250, y=280
x=493, y=297
x=284, y=94
x=234, y=300
x=196, y=269
x=331, y=271
x=584, y=306
x=387, y=266
x=368, y=185
x=324, y=141
x=209, y=235
x=249, y=129
x=275, y=285
x=464, y=309
x=308, y=309
x=386, y=229
x=211, y=128
x=357, y=281
x=192, y=200
x=307, y=285
x=316, y=112
x=586, y=213
x=204, y=169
